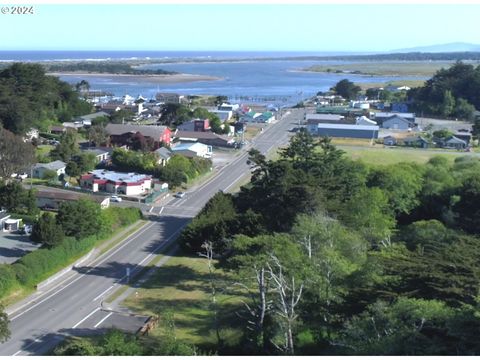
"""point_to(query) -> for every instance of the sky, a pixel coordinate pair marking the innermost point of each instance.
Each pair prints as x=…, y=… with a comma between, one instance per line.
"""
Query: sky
x=239, y=27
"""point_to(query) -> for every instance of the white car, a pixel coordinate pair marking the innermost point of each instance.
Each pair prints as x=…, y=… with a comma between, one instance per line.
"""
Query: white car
x=115, y=198
x=180, y=194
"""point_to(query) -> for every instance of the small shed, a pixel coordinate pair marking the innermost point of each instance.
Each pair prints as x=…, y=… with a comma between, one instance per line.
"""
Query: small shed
x=389, y=141
x=11, y=225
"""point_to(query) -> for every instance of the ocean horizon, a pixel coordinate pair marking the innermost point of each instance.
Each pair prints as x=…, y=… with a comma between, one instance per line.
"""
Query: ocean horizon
x=105, y=55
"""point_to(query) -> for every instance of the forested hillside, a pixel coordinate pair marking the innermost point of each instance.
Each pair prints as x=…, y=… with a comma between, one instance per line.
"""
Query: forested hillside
x=29, y=98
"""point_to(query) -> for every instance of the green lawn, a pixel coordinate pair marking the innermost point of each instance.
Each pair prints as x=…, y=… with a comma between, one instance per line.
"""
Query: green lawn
x=181, y=288
x=378, y=155
x=387, y=68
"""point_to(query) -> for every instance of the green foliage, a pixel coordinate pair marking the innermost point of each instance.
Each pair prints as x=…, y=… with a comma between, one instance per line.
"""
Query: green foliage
x=80, y=218
x=110, y=67
x=451, y=91
x=67, y=148
x=47, y=232
x=125, y=160
x=28, y=97
x=406, y=327
x=15, y=154
x=7, y=279
x=444, y=133
x=16, y=199
x=181, y=169
x=214, y=224
x=346, y=89
x=402, y=184
x=4, y=331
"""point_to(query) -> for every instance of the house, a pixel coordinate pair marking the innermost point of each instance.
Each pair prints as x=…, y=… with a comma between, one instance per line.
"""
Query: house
x=416, y=141
x=223, y=115
x=465, y=136
x=123, y=134
x=57, y=166
x=102, y=155
x=249, y=116
x=72, y=125
x=389, y=141
x=207, y=138
x=195, y=125
x=193, y=150
x=164, y=155
x=8, y=224
x=399, y=107
x=363, y=120
x=454, y=142
x=397, y=122
x=116, y=182
x=57, y=129
x=50, y=199
x=346, y=131
x=170, y=98
x=266, y=117
x=86, y=120
x=228, y=107
x=381, y=117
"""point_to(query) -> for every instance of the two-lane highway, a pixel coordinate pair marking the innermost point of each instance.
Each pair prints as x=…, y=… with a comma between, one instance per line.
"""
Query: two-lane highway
x=74, y=306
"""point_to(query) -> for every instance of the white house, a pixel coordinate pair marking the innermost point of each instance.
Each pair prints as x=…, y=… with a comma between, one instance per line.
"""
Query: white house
x=228, y=107
x=193, y=150
x=39, y=169
x=116, y=182
x=164, y=155
x=224, y=115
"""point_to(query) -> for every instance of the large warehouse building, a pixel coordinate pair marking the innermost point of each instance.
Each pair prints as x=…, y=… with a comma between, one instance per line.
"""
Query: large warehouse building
x=346, y=131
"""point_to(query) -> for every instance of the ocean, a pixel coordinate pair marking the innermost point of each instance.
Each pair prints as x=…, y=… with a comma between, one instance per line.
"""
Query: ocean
x=254, y=81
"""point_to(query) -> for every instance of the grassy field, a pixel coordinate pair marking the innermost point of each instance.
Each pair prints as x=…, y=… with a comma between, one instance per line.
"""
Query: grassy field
x=181, y=288
x=378, y=155
x=386, y=68
x=409, y=83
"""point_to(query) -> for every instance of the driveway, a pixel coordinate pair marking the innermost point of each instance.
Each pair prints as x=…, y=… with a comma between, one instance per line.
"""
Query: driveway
x=13, y=246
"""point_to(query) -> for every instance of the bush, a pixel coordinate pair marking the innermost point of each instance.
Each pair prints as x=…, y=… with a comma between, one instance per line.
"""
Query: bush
x=7, y=279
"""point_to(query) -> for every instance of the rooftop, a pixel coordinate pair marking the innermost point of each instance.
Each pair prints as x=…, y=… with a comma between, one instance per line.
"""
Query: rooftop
x=118, y=177
x=146, y=130
x=54, y=165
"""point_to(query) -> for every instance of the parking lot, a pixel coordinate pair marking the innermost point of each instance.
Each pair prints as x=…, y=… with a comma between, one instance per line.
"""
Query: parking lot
x=13, y=246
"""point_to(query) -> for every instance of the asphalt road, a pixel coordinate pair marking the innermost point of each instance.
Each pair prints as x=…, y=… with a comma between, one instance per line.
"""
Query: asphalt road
x=74, y=306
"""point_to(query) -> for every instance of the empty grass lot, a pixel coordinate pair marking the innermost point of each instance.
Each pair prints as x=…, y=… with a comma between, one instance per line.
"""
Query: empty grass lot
x=378, y=155
x=181, y=288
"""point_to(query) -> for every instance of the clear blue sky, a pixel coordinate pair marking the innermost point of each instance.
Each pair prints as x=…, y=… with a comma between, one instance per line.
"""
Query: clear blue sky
x=315, y=27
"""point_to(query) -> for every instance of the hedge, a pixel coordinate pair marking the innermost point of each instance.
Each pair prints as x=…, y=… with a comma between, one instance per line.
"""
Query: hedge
x=42, y=263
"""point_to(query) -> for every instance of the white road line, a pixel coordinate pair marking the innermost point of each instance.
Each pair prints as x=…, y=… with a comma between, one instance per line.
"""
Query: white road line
x=164, y=243
x=99, y=296
x=85, y=318
x=101, y=321
x=81, y=276
x=18, y=352
x=150, y=209
x=145, y=259
x=163, y=207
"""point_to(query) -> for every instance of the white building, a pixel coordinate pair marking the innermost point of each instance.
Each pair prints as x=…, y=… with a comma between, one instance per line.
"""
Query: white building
x=116, y=182
x=193, y=149
x=39, y=169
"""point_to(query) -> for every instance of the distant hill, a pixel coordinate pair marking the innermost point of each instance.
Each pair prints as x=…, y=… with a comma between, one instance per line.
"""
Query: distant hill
x=442, y=48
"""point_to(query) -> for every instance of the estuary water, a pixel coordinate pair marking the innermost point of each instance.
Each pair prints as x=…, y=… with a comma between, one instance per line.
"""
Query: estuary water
x=253, y=81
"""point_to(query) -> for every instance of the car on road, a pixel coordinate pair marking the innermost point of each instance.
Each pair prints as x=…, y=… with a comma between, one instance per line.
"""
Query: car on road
x=180, y=194
x=115, y=198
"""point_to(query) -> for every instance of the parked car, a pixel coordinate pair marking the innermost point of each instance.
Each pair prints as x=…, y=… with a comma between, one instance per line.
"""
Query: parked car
x=22, y=176
x=180, y=194
x=115, y=198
